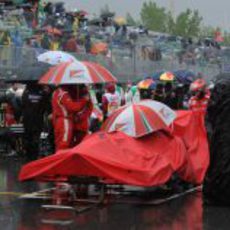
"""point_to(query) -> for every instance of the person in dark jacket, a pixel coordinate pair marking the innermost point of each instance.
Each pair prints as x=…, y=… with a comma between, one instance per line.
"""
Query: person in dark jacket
x=159, y=93
x=88, y=43
x=170, y=96
x=33, y=107
x=10, y=101
x=49, y=146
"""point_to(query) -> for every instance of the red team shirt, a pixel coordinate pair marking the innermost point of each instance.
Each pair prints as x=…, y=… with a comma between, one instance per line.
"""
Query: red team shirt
x=196, y=104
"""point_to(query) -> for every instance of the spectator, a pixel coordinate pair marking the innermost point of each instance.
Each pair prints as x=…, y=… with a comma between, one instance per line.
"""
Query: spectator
x=88, y=43
x=5, y=42
x=55, y=44
x=71, y=45
x=45, y=42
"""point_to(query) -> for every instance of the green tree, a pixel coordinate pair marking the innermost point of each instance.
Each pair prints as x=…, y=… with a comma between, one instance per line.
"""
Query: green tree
x=226, y=36
x=170, y=23
x=194, y=23
x=153, y=17
x=130, y=20
x=182, y=21
x=188, y=23
x=206, y=31
x=105, y=10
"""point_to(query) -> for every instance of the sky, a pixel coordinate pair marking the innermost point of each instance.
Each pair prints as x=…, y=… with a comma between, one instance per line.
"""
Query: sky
x=214, y=12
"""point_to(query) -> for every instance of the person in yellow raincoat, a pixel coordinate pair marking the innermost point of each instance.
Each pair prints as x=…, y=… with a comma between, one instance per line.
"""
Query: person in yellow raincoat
x=75, y=25
x=5, y=42
x=55, y=44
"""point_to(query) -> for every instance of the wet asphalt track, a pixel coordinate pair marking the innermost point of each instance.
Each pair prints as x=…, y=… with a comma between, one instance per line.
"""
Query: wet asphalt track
x=186, y=213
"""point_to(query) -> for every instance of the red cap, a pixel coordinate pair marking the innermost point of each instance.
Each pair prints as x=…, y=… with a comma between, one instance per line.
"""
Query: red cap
x=110, y=88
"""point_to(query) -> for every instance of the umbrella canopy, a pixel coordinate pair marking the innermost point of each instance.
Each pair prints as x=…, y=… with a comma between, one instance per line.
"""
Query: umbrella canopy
x=163, y=76
x=167, y=76
x=146, y=84
x=99, y=47
x=140, y=119
x=96, y=21
x=81, y=13
x=156, y=76
x=120, y=21
x=77, y=73
x=28, y=73
x=107, y=15
x=55, y=57
x=185, y=76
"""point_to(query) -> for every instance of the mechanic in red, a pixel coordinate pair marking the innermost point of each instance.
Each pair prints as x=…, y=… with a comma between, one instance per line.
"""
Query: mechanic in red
x=201, y=95
x=82, y=118
x=64, y=108
x=111, y=100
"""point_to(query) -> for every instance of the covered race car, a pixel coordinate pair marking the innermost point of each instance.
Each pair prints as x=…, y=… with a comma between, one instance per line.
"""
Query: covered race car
x=148, y=161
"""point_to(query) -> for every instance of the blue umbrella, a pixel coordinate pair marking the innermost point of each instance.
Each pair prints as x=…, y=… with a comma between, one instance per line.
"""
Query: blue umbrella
x=156, y=76
x=153, y=86
x=185, y=76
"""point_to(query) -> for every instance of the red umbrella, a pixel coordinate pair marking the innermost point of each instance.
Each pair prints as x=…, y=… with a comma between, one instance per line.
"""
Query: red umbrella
x=82, y=13
x=77, y=73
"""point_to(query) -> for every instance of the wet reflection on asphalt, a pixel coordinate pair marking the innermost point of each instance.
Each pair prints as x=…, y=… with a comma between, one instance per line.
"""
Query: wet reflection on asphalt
x=181, y=214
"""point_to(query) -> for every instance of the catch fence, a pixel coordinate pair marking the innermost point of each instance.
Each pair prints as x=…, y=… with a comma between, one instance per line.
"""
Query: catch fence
x=127, y=63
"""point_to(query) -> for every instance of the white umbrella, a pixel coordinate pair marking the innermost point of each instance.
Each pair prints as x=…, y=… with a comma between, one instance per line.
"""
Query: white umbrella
x=55, y=57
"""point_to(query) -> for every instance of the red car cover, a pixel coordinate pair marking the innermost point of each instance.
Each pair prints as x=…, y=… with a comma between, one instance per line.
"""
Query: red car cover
x=148, y=161
x=190, y=127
